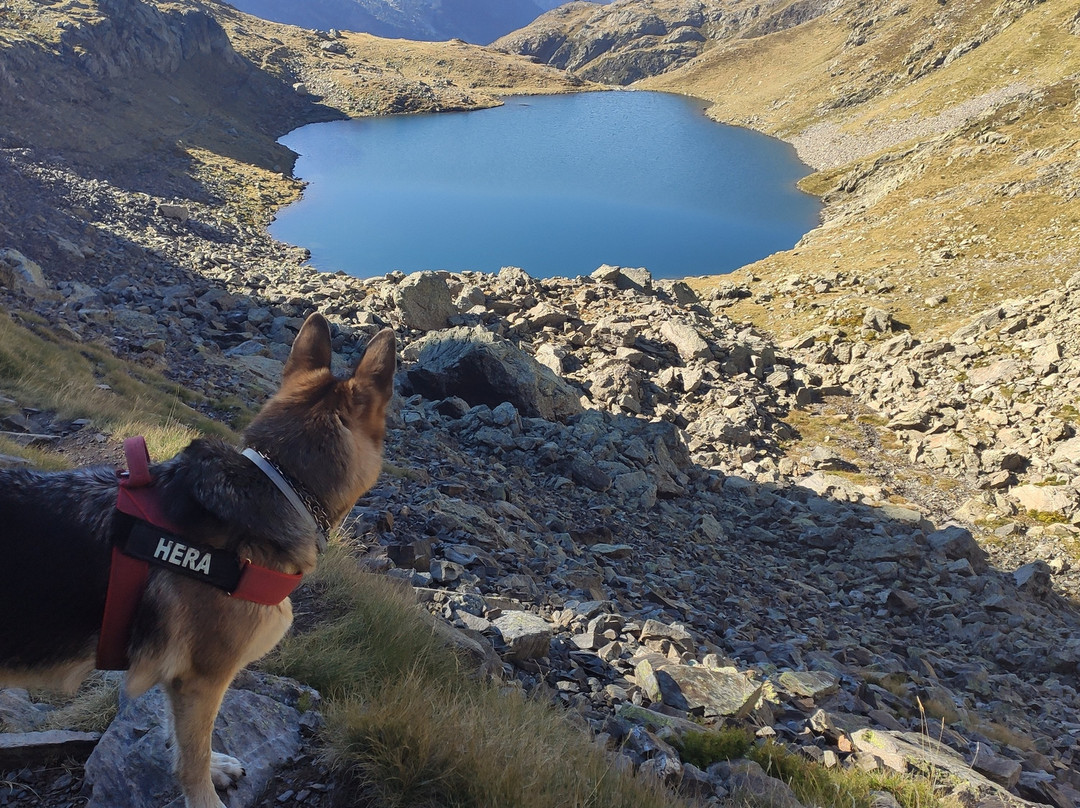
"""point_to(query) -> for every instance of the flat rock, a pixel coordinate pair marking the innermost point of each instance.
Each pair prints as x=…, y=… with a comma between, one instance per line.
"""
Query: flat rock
x=526, y=635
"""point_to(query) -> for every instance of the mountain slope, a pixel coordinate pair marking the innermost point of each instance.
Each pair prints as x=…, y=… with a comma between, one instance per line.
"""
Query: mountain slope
x=630, y=39
x=478, y=21
x=944, y=132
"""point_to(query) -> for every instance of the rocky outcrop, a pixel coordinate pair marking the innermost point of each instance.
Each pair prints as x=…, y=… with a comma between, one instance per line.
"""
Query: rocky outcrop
x=623, y=42
x=260, y=724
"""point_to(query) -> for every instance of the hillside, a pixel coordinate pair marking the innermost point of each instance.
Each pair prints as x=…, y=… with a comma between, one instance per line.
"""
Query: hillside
x=477, y=22
x=940, y=121
x=829, y=504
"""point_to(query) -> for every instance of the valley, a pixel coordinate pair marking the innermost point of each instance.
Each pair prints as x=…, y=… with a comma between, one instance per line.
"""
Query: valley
x=834, y=496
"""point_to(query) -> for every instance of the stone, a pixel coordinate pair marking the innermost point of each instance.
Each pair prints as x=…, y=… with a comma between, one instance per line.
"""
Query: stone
x=1046, y=498
x=686, y=339
x=749, y=784
x=19, y=713
x=956, y=542
x=1001, y=770
x=524, y=634
x=19, y=749
x=423, y=299
x=696, y=689
x=19, y=273
x=131, y=765
x=179, y=213
x=812, y=684
x=626, y=278
x=878, y=320
x=655, y=632
x=480, y=368
x=1034, y=579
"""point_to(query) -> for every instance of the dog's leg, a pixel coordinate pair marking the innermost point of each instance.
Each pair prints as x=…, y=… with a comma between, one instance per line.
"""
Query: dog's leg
x=195, y=703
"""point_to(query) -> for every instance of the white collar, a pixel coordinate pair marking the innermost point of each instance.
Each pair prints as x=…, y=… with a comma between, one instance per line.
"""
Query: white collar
x=271, y=471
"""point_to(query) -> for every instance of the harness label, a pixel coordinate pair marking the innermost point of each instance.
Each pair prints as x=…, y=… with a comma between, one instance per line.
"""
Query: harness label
x=180, y=555
x=154, y=545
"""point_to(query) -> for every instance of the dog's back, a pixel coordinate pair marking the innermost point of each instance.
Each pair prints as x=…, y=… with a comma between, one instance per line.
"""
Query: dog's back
x=54, y=552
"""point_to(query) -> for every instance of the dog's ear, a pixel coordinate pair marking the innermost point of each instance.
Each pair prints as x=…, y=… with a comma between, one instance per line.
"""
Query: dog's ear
x=375, y=371
x=311, y=348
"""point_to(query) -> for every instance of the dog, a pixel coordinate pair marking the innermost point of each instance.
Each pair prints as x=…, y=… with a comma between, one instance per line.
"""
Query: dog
x=324, y=438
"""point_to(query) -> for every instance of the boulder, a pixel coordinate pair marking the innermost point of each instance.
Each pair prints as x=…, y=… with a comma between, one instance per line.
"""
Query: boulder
x=179, y=213
x=639, y=279
x=686, y=339
x=131, y=767
x=1054, y=499
x=525, y=635
x=956, y=542
x=19, y=273
x=480, y=368
x=697, y=689
x=423, y=299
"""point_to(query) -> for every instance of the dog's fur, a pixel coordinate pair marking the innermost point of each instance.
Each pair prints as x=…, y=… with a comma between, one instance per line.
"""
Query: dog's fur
x=57, y=530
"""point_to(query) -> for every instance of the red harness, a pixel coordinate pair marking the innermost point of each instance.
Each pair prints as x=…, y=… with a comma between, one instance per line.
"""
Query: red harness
x=138, y=497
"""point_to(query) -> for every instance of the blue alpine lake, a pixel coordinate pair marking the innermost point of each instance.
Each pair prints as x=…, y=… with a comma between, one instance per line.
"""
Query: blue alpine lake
x=556, y=185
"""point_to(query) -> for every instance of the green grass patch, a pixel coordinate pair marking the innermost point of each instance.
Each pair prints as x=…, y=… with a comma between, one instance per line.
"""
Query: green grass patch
x=1047, y=517
x=706, y=748
x=41, y=459
x=817, y=785
x=407, y=726
x=39, y=368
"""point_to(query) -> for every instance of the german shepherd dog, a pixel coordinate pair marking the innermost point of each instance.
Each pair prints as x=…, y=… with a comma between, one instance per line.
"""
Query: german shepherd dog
x=57, y=531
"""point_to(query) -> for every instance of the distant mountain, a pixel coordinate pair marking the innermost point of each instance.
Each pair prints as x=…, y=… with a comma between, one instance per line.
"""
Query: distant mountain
x=476, y=21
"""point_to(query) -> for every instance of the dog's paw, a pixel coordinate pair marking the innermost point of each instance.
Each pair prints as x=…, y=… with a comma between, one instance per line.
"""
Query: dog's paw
x=225, y=770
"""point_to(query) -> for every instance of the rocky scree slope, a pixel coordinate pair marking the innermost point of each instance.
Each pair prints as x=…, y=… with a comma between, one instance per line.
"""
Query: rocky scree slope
x=590, y=476
x=630, y=40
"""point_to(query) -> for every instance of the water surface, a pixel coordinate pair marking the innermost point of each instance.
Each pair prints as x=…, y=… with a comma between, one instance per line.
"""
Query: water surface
x=557, y=185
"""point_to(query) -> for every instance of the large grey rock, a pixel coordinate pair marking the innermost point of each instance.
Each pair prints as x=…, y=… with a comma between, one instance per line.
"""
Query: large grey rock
x=697, y=689
x=639, y=279
x=957, y=542
x=686, y=339
x=132, y=764
x=480, y=368
x=19, y=713
x=20, y=273
x=423, y=299
x=812, y=684
x=749, y=784
x=526, y=635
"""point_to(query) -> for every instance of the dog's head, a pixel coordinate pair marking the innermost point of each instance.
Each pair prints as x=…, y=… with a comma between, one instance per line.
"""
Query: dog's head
x=325, y=432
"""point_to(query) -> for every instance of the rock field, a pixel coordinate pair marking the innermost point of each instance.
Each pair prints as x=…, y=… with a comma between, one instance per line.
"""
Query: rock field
x=857, y=542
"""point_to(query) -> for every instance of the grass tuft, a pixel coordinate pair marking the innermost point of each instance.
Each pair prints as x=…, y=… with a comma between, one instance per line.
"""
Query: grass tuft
x=817, y=785
x=706, y=748
x=93, y=707
x=163, y=440
x=407, y=725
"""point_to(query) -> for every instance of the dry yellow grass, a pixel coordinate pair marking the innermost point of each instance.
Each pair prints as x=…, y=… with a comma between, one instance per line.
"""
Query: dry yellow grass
x=408, y=725
x=958, y=180
x=40, y=369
